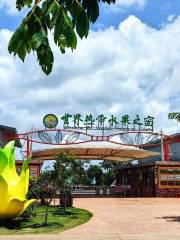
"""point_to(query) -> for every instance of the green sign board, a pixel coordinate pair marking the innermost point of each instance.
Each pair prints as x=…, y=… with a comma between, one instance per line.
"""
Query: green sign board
x=100, y=122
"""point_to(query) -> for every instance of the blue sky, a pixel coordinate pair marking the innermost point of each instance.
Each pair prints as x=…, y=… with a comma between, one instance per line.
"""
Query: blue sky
x=131, y=69
x=154, y=13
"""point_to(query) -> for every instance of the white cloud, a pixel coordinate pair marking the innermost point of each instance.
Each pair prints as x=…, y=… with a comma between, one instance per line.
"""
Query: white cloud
x=130, y=70
x=121, y=5
x=10, y=6
x=171, y=17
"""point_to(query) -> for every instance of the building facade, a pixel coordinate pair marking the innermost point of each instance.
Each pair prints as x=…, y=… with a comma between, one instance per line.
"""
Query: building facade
x=151, y=177
x=5, y=133
x=159, y=179
x=34, y=168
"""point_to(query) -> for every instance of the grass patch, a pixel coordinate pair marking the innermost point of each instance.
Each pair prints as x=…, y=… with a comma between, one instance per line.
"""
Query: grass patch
x=58, y=221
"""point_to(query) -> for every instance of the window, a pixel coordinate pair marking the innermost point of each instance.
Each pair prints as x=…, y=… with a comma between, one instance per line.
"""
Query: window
x=169, y=177
x=34, y=172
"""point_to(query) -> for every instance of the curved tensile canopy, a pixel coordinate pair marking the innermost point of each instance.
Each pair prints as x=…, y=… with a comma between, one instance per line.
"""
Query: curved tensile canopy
x=100, y=150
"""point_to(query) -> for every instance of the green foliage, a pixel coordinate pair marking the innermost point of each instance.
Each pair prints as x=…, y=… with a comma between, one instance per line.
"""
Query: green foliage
x=95, y=172
x=174, y=115
x=109, y=177
x=42, y=187
x=109, y=173
x=67, y=172
x=58, y=221
x=29, y=212
x=107, y=165
x=64, y=18
x=21, y=3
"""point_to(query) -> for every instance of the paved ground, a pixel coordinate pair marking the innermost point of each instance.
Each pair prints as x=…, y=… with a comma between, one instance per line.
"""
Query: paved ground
x=123, y=219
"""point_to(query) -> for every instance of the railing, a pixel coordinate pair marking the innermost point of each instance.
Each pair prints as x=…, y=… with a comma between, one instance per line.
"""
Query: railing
x=90, y=190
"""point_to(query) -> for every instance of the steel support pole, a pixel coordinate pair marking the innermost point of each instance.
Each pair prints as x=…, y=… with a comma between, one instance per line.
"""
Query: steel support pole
x=28, y=148
x=162, y=146
x=166, y=150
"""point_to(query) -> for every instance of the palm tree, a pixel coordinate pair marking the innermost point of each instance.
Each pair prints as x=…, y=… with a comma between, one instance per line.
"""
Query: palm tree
x=174, y=115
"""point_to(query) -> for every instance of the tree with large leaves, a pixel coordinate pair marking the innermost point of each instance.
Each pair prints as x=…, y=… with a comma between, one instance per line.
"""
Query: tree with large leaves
x=64, y=18
x=174, y=115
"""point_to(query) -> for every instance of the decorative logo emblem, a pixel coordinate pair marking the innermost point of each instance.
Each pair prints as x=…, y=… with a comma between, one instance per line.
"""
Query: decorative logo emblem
x=50, y=121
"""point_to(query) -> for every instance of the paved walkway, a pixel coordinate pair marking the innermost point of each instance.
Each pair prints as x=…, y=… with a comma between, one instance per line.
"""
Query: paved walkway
x=123, y=219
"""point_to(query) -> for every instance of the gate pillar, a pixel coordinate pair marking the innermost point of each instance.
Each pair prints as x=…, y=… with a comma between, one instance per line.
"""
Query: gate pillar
x=166, y=151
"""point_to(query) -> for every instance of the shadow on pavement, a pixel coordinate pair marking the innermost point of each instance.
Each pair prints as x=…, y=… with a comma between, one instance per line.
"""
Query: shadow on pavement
x=170, y=218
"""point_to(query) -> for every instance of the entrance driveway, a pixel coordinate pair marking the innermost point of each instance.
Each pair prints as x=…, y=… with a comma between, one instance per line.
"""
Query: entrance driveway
x=133, y=218
x=123, y=219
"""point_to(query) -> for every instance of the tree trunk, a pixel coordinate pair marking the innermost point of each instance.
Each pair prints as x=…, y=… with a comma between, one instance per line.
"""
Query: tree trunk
x=46, y=216
x=46, y=213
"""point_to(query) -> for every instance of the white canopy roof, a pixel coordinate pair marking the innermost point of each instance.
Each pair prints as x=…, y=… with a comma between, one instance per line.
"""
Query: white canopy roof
x=100, y=150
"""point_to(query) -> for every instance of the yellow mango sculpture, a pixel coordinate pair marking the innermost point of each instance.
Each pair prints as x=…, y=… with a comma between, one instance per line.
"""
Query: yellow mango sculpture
x=13, y=188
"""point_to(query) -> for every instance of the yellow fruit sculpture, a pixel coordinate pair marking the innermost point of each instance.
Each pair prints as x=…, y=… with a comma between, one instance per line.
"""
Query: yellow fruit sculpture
x=13, y=188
